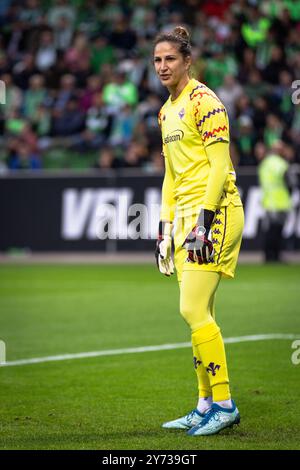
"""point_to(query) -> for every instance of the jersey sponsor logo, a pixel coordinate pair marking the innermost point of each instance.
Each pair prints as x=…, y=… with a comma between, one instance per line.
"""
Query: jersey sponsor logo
x=174, y=136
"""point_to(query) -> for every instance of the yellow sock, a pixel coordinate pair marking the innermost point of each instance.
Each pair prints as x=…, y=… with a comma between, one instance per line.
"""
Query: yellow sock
x=204, y=387
x=197, y=299
x=210, y=346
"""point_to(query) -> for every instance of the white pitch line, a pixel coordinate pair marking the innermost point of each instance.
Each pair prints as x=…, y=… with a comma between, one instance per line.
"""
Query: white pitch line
x=161, y=347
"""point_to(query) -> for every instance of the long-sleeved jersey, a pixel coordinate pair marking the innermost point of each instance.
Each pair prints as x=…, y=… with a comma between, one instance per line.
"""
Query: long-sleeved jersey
x=197, y=174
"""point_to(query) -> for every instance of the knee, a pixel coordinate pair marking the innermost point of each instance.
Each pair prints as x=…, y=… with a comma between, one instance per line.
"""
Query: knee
x=195, y=315
x=187, y=311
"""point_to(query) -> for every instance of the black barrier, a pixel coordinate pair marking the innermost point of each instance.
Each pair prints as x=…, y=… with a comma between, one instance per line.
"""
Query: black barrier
x=106, y=211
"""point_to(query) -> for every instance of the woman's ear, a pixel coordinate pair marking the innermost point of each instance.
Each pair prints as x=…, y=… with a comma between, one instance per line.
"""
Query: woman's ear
x=188, y=62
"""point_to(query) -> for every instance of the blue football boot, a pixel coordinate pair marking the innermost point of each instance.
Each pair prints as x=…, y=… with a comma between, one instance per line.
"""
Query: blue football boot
x=188, y=421
x=216, y=419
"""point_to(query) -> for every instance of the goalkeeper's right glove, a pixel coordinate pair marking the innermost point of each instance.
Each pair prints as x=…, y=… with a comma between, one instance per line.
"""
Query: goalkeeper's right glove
x=163, y=249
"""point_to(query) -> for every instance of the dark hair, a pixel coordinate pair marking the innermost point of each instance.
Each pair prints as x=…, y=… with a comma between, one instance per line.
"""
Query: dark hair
x=179, y=36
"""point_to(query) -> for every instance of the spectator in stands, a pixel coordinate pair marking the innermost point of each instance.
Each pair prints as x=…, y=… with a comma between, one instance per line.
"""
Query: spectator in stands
x=106, y=159
x=119, y=92
x=61, y=9
x=32, y=12
x=123, y=126
x=247, y=65
x=255, y=86
x=136, y=155
x=70, y=120
x=23, y=70
x=246, y=140
x=34, y=96
x=156, y=162
x=29, y=138
x=122, y=36
x=93, y=87
x=256, y=26
x=63, y=33
x=229, y=93
x=23, y=158
x=46, y=54
x=282, y=96
x=260, y=112
x=273, y=131
x=139, y=16
x=275, y=66
x=66, y=91
x=97, y=126
x=14, y=123
x=77, y=57
x=102, y=53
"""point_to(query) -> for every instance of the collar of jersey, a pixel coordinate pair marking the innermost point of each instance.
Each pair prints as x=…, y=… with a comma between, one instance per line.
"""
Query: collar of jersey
x=179, y=96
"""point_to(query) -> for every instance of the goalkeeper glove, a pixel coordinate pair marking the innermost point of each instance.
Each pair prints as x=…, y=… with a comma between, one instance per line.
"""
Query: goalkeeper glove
x=163, y=249
x=199, y=247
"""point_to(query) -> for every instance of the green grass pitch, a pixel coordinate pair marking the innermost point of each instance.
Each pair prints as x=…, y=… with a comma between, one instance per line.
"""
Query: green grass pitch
x=120, y=401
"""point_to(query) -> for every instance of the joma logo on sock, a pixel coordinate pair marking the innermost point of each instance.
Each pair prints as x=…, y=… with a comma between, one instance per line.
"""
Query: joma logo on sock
x=212, y=368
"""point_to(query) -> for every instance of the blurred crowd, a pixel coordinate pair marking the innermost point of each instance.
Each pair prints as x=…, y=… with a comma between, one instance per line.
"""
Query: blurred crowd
x=79, y=76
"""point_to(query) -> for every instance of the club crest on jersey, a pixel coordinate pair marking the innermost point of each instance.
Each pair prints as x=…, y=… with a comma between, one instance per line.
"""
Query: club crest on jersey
x=212, y=368
x=181, y=113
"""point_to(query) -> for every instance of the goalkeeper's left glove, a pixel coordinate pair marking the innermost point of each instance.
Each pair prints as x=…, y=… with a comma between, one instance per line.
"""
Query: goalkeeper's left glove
x=199, y=247
x=163, y=248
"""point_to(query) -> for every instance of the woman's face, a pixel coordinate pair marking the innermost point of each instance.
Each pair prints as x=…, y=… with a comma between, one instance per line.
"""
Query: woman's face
x=170, y=65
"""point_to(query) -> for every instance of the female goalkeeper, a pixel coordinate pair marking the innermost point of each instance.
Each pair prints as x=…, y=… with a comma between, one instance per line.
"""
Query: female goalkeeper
x=199, y=185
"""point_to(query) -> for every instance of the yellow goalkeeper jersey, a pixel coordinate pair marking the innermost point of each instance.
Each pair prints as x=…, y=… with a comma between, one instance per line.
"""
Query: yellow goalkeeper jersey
x=196, y=119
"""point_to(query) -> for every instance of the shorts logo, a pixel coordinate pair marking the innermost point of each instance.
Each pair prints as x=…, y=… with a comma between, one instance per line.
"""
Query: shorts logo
x=174, y=136
x=218, y=222
x=212, y=368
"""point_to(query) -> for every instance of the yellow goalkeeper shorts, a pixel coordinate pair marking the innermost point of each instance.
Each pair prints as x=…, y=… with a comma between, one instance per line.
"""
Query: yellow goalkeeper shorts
x=226, y=236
